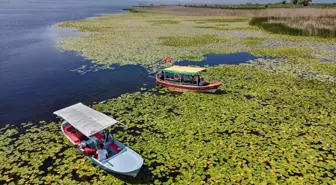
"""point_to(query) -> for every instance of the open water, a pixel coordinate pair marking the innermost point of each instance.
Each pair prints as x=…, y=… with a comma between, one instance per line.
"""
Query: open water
x=36, y=79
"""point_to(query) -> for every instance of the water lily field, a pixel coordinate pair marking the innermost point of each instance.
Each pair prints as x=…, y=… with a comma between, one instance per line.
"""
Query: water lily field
x=144, y=38
x=272, y=122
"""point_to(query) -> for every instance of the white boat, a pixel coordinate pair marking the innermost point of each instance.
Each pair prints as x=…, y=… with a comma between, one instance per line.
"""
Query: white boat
x=83, y=124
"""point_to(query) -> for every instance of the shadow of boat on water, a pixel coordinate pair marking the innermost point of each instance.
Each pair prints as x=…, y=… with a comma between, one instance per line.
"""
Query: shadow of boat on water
x=145, y=176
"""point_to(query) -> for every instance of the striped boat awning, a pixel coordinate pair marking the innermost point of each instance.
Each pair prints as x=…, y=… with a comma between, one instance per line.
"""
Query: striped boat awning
x=85, y=119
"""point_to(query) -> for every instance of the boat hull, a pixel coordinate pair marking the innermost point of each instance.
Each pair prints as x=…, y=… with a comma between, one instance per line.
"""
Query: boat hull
x=105, y=167
x=96, y=162
x=211, y=87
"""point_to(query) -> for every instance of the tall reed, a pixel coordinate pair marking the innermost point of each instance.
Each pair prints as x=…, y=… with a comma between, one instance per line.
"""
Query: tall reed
x=300, y=26
x=274, y=12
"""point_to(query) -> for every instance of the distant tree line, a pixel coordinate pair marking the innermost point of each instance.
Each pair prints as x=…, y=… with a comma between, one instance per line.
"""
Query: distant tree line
x=279, y=4
x=302, y=2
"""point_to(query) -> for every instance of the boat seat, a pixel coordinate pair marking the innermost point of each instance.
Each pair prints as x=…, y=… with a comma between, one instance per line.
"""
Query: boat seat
x=68, y=128
x=115, y=147
x=93, y=144
x=79, y=135
x=73, y=138
x=99, y=136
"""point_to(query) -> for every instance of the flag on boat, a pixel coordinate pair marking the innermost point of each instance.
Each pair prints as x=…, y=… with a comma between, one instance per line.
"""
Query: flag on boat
x=167, y=60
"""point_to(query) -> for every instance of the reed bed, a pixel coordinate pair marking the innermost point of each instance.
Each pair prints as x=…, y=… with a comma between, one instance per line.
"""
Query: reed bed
x=274, y=12
x=307, y=22
x=293, y=21
x=250, y=6
x=302, y=26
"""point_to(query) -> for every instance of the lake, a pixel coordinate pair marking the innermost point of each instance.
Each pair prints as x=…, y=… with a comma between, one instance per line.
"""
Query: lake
x=37, y=79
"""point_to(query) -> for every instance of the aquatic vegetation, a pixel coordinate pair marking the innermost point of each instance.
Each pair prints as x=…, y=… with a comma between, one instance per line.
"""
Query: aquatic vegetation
x=190, y=41
x=228, y=20
x=252, y=41
x=221, y=51
x=200, y=22
x=193, y=58
x=207, y=27
x=283, y=52
x=136, y=39
x=222, y=24
x=300, y=67
x=237, y=29
x=262, y=127
x=272, y=121
x=161, y=22
x=93, y=68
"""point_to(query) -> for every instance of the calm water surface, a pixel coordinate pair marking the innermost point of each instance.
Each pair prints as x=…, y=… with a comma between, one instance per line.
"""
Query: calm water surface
x=36, y=78
x=217, y=59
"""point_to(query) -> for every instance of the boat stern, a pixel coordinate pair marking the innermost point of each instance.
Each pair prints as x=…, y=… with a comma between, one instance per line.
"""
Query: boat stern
x=127, y=162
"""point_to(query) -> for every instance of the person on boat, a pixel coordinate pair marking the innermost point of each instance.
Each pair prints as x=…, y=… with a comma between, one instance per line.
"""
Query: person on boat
x=201, y=83
x=196, y=80
x=108, y=138
x=192, y=79
x=162, y=75
x=86, y=150
x=189, y=79
x=102, y=153
x=171, y=78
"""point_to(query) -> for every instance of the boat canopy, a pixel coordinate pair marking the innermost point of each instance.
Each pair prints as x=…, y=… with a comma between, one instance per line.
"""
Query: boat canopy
x=85, y=119
x=184, y=70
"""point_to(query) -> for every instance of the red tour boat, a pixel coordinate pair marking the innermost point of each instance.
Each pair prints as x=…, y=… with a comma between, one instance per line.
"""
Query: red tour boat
x=187, y=78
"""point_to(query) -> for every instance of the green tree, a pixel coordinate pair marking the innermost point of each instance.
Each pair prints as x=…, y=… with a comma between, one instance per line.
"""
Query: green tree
x=304, y=2
x=283, y=2
x=294, y=1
